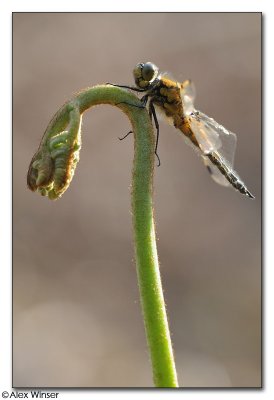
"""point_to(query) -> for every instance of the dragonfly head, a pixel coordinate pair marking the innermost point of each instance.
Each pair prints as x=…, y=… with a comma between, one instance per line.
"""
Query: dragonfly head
x=144, y=74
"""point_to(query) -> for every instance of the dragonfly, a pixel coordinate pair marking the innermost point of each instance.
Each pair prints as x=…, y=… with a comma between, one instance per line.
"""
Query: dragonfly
x=175, y=101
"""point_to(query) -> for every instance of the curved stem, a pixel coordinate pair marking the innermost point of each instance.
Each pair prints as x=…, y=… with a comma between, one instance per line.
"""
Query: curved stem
x=152, y=299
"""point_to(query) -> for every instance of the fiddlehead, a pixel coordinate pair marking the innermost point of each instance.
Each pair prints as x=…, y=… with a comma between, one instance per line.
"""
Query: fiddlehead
x=52, y=167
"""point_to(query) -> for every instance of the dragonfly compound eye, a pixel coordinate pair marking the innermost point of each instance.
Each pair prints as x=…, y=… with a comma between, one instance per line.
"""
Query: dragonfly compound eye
x=144, y=74
x=149, y=71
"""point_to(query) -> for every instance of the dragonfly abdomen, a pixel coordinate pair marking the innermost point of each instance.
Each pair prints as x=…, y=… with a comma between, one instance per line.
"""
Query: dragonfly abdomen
x=229, y=174
x=181, y=123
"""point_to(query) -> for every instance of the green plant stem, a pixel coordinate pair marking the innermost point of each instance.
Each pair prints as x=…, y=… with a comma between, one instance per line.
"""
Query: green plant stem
x=152, y=299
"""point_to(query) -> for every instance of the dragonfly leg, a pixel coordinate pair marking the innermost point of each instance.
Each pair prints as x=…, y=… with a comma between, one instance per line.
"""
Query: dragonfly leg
x=143, y=100
x=122, y=138
x=152, y=113
x=127, y=87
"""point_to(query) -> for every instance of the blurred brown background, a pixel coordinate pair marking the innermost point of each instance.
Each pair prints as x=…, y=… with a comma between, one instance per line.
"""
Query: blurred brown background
x=77, y=318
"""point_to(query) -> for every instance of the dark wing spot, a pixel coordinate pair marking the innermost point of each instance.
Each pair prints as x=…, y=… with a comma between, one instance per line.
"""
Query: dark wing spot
x=209, y=169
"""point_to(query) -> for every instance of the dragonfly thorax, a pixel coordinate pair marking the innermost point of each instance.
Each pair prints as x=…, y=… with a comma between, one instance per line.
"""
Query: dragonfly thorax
x=145, y=74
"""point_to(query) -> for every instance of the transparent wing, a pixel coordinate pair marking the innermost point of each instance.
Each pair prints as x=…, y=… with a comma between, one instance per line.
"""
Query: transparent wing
x=215, y=174
x=213, y=137
x=207, y=135
x=188, y=94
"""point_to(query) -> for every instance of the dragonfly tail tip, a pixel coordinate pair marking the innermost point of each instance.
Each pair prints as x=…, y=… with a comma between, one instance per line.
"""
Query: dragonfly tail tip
x=250, y=195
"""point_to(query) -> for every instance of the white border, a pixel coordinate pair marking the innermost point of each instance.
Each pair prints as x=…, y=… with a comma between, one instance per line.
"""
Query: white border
x=141, y=5
x=6, y=8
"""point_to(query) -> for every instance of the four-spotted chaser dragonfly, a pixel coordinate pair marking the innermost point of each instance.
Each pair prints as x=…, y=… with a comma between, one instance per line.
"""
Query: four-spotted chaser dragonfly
x=214, y=143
